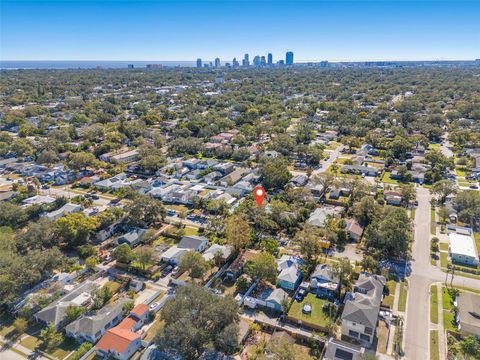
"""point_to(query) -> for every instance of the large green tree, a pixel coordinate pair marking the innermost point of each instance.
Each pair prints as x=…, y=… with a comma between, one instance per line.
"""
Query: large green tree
x=198, y=320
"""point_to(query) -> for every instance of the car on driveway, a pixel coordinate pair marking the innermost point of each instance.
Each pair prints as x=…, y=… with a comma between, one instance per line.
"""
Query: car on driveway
x=167, y=270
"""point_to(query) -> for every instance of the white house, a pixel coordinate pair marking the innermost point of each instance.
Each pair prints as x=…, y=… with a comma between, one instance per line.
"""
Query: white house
x=463, y=249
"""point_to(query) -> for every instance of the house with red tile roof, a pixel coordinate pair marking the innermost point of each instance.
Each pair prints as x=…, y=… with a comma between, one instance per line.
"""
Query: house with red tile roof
x=122, y=341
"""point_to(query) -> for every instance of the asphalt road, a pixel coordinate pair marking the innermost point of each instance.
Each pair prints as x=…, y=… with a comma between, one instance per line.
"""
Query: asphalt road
x=416, y=340
x=417, y=317
x=326, y=163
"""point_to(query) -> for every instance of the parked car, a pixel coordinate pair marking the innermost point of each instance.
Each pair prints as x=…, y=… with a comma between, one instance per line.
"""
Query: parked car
x=153, y=305
x=300, y=295
x=95, y=197
x=167, y=270
x=45, y=186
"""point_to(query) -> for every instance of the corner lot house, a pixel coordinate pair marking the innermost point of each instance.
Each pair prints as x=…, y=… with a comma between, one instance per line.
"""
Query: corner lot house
x=360, y=314
x=463, y=249
x=121, y=342
x=468, y=318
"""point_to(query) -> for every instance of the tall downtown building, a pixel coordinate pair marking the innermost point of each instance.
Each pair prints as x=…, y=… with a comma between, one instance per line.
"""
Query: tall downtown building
x=199, y=63
x=270, y=59
x=289, y=58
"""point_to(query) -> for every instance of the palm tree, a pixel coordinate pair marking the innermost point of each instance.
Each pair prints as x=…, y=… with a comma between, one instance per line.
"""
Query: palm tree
x=446, y=275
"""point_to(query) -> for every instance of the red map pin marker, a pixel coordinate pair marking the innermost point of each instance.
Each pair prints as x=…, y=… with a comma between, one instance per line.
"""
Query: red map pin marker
x=259, y=194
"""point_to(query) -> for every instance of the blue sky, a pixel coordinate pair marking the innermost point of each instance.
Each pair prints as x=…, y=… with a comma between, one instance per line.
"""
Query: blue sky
x=185, y=30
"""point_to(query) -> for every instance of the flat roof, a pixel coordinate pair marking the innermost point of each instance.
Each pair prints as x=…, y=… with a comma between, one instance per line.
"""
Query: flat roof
x=462, y=244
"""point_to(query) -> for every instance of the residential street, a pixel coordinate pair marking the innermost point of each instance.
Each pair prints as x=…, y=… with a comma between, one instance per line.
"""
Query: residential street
x=416, y=340
x=327, y=162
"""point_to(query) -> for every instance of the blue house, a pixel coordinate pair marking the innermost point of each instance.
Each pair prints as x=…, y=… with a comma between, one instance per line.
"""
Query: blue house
x=289, y=276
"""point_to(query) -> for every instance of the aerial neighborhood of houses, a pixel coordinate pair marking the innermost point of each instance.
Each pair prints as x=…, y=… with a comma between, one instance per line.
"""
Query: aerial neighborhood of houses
x=137, y=233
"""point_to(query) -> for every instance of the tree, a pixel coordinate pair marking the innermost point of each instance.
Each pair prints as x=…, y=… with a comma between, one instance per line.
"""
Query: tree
x=21, y=325
x=86, y=251
x=82, y=160
x=123, y=253
x=38, y=235
x=72, y=313
x=75, y=228
x=262, y=266
x=342, y=269
x=50, y=337
x=408, y=193
x=143, y=210
x=275, y=173
x=444, y=188
x=194, y=263
x=310, y=242
x=145, y=256
x=369, y=264
x=281, y=349
x=91, y=263
x=210, y=323
x=325, y=180
x=467, y=204
x=470, y=347
x=390, y=233
x=238, y=232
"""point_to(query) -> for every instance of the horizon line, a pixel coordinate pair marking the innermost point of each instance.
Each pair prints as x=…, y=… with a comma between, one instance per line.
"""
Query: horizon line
x=225, y=61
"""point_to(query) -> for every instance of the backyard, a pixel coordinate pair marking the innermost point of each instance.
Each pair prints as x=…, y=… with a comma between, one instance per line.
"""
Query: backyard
x=316, y=317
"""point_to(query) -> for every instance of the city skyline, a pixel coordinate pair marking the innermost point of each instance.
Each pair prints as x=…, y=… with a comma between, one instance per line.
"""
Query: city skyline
x=169, y=31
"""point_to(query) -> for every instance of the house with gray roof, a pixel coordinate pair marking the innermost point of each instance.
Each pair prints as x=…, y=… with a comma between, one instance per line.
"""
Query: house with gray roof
x=360, y=314
x=197, y=243
x=92, y=327
x=320, y=215
x=55, y=313
x=276, y=299
x=132, y=238
x=323, y=282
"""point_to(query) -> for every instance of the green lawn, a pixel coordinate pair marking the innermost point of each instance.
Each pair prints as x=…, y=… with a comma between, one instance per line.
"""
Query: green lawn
x=477, y=240
x=402, y=299
x=60, y=352
x=434, y=146
x=388, y=300
x=387, y=179
x=434, y=304
x=191, y=230
x=449, y=321
x=434, y=353
x=443, y=246
x=443, y=259
x=460, y=172
x=433, y=224
x=446, y=299
x=316, y=317
x=113, y=286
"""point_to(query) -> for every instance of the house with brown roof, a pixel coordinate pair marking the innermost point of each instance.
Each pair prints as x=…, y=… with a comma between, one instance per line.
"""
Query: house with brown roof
x=236, y=267
x=354, y=229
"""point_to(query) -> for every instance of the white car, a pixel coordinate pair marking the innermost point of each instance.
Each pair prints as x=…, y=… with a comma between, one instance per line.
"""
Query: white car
x=153, y=305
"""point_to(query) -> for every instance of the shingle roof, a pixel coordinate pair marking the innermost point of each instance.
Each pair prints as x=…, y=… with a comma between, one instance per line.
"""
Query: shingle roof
x=469, y=313
x=191, y=242
x=364, y=306
x=90, y=325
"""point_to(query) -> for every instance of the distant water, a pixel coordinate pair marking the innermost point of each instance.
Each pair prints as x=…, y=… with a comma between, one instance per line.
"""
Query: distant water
x=12, y=65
